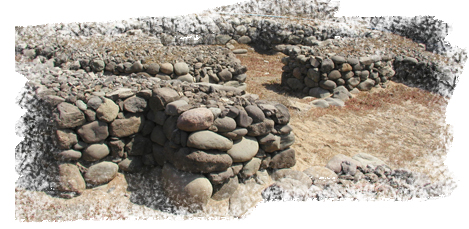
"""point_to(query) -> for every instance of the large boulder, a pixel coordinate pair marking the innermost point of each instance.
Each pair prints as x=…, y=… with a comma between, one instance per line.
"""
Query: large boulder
x=71, y=179
x=186, y=190
x=195, y=119
x=101, y=173
x=244, y=150
x=69, y=116
x=208, y=140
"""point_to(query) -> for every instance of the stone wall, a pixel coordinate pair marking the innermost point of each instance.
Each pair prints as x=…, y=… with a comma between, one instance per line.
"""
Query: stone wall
x=192, y=64
x=319, y=76
x=206, y=137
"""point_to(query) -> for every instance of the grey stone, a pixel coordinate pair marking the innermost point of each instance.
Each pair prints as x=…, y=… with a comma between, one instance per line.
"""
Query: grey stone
x=186, y=190
x=327, y=84
x=94, y=132
x=138, y=146
x=321, y=103
x=250, y=168
x=244, y=40
x=101, y=173
x=136, y=67
x=120, y=93
x=158, y=136
x=166, y=68
x=177, y=107
x=131, y=124
x=195, y=119
x=366, y=85
x=321, y=175
x=198, y=161
x=97, y=65
x=71, y=179
x=335, y=163
x=240, y=51
x=243, y=119
x=131, y=164
x=292, y=174
x=354, y=81
x=341, y=93
x=117, y=148
x=338, y=59
x=81, y=105
x=225, y=124
x=222, y=39
x=283, y=159
x=366, y=60
x=327, y=65
x=218, y=178
x=107, y=111
x=255, y=113
x=69, y=116
x=368, y=160
x=161, y=97
x=68, y=155
x=225, y=75
x=244, y=150
x=334, y=75
x=186, y=78
x=207, y=140
x=282, y=116
x=66, y=138
x=153, y=68
x=135, y=104
x=181, y=68
x=335, y=102
x=261, y=128
x=95, y=152
x=318, y=92
x=225, y=190
x=295, y=84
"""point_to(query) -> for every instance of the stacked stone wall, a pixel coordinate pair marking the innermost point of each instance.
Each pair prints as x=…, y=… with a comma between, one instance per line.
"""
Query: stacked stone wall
x=319, y=76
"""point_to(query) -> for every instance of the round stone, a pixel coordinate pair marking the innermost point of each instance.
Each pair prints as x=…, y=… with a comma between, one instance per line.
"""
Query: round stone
x=101, y=173
x=166, y=68
x=195, y=119
x=244, y=150
x=95, y=152
x=207, y=140
x=94, y=132
x=186, y=190
x=181, y=68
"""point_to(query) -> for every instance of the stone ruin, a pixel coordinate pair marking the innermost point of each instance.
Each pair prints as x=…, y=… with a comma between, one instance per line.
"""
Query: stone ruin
x=187, y=117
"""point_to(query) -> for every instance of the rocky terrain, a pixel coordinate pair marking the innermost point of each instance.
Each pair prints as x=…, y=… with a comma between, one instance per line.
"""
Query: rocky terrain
x=353, y=174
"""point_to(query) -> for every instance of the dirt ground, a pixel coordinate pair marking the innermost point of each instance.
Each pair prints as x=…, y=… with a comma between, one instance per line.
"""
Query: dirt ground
x=405, y=127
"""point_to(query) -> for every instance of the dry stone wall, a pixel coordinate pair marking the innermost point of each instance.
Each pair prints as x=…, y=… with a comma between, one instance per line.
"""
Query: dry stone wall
x=321, y=76
x=206, y=137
